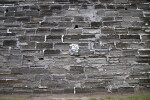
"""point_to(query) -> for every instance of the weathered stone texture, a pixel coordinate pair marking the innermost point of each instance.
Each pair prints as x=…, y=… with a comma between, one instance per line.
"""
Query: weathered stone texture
x=113, y=39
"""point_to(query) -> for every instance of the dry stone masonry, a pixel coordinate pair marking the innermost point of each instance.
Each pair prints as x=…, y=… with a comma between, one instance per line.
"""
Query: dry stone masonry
x=74, y=46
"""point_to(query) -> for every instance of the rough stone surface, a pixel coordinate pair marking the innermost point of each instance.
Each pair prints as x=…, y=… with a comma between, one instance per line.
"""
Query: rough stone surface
x=74, y=46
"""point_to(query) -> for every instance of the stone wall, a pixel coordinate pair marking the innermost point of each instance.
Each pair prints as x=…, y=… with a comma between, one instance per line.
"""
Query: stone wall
x=111, y=39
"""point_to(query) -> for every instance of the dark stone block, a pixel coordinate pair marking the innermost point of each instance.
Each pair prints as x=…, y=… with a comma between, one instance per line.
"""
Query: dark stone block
x=68, y=90
x=24, y=38
x=56, y=7
x=58, y=76
x=65, y=24
x=58, y=91
x=78, y=18
x=43, y=30
x=100, y=6
x=81, y=24
x=9, y=2
x=132, y=6
x=24, y=19
x=44, y=45
x=62, y=46
x=130, y=52
x=8, y=34
x=32, y=13
x=44, y=7
x=107, y=18
x=21, y=70
x=144, y=81
x=144, y=52
x=83, y=90
x=109, y=6
x=72, y=36
x=76, y=69
x=51, y=52
x=137, y=1
x=58, y=31
x=122, y=45
x=120, y=1
x=98, y=89
x=2, y=18
x=53, y=37
x=115, y=37
x=73, y=1
x=30, y=45
x=9, y=14
x=49, y=24
x=10, y=19
x=87, y=36
x=145, y=59
x=112, y=23
x=37, y=38
x=20, y=13
x=94, y=0
x=129, y=36
x=61, y=1
x=106, y=1
x=38, y=70
x=96, y=24
x=11, y=9
x=107, y=30
x=6, y=91
x=46, y=12
x=12, y=43
x=125, y=89
x=42, y=91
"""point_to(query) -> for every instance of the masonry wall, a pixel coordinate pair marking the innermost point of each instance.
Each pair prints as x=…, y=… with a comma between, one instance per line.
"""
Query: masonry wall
x=113, y=38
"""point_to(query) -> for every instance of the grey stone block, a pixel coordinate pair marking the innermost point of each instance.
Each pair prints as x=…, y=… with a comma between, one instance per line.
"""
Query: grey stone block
x=28, y=46
x=125, y=89
x=43, y=30
x=49, y=24
x=129, y=36
x=76, y=69
x=45, y=12
x=144, y=52
x=56, y=7
x=62, y=46
x=23, y=38
x=65, y=24
x=24, y=19
x=32, y=13
x=38, y=70
x=51, y=52
x=28, y=59
x=96, y=24
x=100, y=6
x=12, y=43
x=120, y=1
x=44, y=45
x=78, y=18
x=58, y=31
x=106, y=1
x=21, y=70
